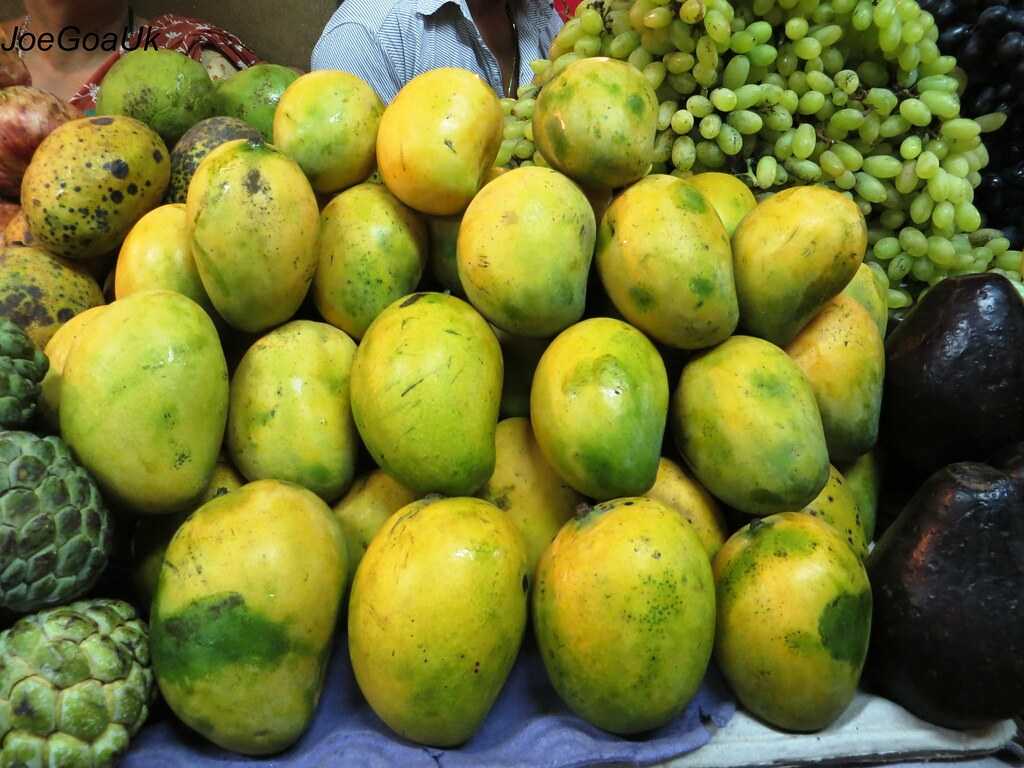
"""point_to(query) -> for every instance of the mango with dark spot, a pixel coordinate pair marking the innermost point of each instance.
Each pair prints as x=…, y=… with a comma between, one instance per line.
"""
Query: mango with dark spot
x=676, y=489
x=244, y=614
x=436, y=617
x=90, y=181
x=254, y=225
x=528, y=490
x=57, y=350
x=290, y=417
x=664, y=259
x=40, y=292
x=438, y=139
x=730, y=197
x=868, y=291
x=596, y=121
x=793, y=253
x=426, y=388
x=838, y=507
x=624, y=614
x=843, y=357
x=373, y=250
x=599, y=403
x=746, y=422
x=524, y=251
x=144, y=400
x=864, y=480
x=199, y=141
x=794, y=663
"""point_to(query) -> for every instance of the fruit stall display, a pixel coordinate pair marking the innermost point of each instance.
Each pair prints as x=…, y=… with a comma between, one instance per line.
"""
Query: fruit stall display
x=613, y=365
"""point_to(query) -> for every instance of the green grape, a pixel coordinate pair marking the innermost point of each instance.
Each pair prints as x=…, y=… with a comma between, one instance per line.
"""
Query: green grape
x=663, y=146
x=796, y=28
x=807, y=48
x=699, y=106
x=911, y=148
x=861, y=19
x=1009, y=261
x=938, y=147
x=807, y=170
x=524, y=149
x=847, y=180
x=513, y=129
x=570, y=33
x=677, y=63
x=892, y=219
x=885, y=249
x=915, y=112
x=839, y=99
x=870, y=188
x=967, y=217
x=982, y=258
x=873, y=74
x=832, y=61
x=914, y=242
x=787, y=62
x=847, y=119
x=765, y=172
x=691, y=11
x=777, y=118
x=723, y=99
x=540, y=67
x=790, y=100
x=843, y=7
x=991, y=122
x=828, y=36
x=763, y=55
x=749, y=96
x=655, y=73
x=742, y=42
x=811, y=102
x=729, y=140
x=921, y=208
x=882, y=167
x=707, y=52
x=804, y=141
x=710, y=154
x=899, y=267
x=705, y=74
x=682, y=122
x=999, y=245
x=710, y=126
x=820, y=82
x=665, y=112
x=587, y=46
x=938, y=186
x=940, y=83
x=640, y=58
x=681, y=35
x=528, y=131
x=941, y=252
x=882, y=100
x=893, y=126
x=831, y=164
x=746, y=122
x=507, y=105
x=684, y=153
x=852, y=159
x=945, y=105
x=624, y=44
x=956, y=165
x=944, y=216
x=772, y=92
x=899, y=299
x=523, y=109
x=784, y=145
x=717, y=26
x=870, y=129
x=592, y=22
x=761, y=30
x=922, y=270
x=736, y=72
x=906, y=181
x=960, y=128
x=505, y=151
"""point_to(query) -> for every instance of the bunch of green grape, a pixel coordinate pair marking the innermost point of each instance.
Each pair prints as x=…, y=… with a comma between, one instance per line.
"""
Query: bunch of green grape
x=854, y=94
x=517, y=146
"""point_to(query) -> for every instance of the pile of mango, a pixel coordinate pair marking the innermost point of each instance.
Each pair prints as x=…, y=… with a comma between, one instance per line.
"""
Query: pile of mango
x=359, y=371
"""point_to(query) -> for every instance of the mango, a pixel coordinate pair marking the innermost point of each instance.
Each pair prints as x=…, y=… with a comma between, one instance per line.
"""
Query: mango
x=664, y=259
x=527, y=489
x=327, y=122
x=90, y=181
x=677, y=490
x=837, y=506
x=793, y=253
x=254, y=224
x=246, y=605
x=843, y=357
x=524, y=251
x=624, y=614
x=361, y=512
x=253, y=95
x=290, y=417
x=438, y=139
x=793, y=663
x=865, y=289
x=746, y=422
x=426, y=388
x=57, y=350
x=864, y=481
x=444, y=238
x=598, y=405
x=728, y=195
x=40, y=292
x=157, y=254
x=596, y=121
x=199, y=141
x=373, y=250
x=521, y=356
x=144, y=400
x=450, y=576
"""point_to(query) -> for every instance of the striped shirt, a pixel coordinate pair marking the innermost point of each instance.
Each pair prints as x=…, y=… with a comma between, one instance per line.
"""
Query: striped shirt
x=389, y=42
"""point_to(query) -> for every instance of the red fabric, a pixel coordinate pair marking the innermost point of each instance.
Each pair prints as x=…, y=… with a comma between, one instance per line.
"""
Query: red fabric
x=179, y=33
x=566, y=8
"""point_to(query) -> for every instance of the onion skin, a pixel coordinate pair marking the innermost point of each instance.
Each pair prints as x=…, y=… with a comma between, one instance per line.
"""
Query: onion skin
x=12, y=69
x=27, y=116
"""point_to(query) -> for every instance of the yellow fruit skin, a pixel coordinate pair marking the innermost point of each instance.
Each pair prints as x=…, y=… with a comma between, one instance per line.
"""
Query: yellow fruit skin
x=793, y=253
x=598, y=406
x=624, y=613
x=57, y=350
x=677, y=490
x=372, y=251
x=153, y=534
x=596, y=121
x=438, y=139
x=327, y=122
x=865, y=290
x=745, y=421
x=254, y=225
x=426, y=389
x=371, y=500
x=843, y=357
x=144, y=401
x=436, y=617
x=837, y=506
x=114, y=167
x=665, y=261
x=290, y=416
x=157, y=255
x=528, y=490
x=794, y=663
x=244, y=613
x=40, y=292
x=863, y=479
x=524, y=251
x=730, y=197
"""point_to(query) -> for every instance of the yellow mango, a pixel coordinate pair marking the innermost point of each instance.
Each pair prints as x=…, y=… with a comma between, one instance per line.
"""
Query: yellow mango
x=677, y=490
x=57, y=350
x=865, y=289
x=838, y=507
x=730, y=197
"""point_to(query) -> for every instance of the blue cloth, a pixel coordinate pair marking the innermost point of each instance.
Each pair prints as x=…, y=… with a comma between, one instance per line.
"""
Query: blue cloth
x=528, y=727
x=389, y=42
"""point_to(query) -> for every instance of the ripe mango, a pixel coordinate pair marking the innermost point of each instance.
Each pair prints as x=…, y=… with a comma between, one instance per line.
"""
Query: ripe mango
x=865, y=289
x=864, y=481
x=838, y=507
x=730, y=197
x=674, y=488
x=57, y=350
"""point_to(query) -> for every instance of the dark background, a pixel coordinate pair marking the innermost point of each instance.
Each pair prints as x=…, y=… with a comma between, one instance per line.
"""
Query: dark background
x=278, y=30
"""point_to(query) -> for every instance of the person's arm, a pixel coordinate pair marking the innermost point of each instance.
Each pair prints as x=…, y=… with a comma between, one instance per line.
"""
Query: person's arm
x=351, y=48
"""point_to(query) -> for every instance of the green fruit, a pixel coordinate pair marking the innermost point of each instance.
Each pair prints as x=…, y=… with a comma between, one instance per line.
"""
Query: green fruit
x=863, y=478
x=598, y=405
x=164, y=89
x=22, y=369
x=55, y=532
x=746, y=422
x=252, y=95
x=865, y=289
x=199, y=141
x=90, y=181
x=147, y=376
x=75, y=685
x=624, y=613
x=426, y=388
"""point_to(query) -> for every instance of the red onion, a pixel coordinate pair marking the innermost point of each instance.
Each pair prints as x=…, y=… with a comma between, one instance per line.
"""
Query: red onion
x=27, y=116
x=12, y=69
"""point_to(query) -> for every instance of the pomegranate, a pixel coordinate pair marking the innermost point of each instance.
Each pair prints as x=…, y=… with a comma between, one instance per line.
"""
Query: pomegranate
x=27, y=116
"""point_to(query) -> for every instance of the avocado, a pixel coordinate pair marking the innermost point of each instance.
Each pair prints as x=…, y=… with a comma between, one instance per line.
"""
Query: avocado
x=948, y=585
x=954, y=384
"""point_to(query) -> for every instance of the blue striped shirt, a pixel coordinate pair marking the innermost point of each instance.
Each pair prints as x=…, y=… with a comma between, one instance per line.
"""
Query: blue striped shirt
x=389, y=42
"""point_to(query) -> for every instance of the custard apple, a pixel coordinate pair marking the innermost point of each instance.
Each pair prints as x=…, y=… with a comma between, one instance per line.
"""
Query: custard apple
x=55, y=531
x=22, y=368
x=75, y=685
